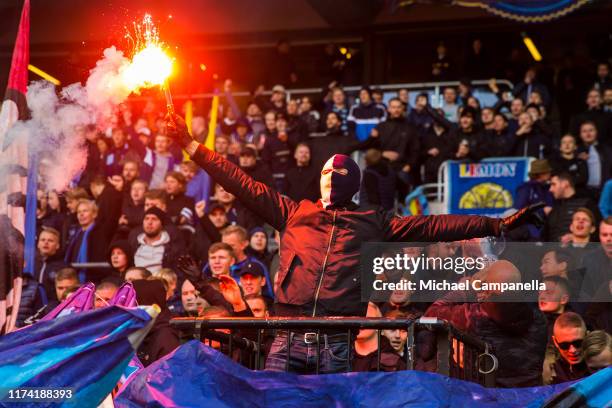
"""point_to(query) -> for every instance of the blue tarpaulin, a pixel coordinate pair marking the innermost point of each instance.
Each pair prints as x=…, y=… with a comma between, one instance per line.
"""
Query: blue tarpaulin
x=195, y=375
x=86, y=352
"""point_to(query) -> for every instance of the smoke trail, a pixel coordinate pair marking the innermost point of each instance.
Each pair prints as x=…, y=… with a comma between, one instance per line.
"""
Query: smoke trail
x=55, y=130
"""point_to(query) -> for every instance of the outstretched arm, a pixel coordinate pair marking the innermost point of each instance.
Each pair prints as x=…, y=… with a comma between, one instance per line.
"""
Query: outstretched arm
x=446, y=228
x=271, y=206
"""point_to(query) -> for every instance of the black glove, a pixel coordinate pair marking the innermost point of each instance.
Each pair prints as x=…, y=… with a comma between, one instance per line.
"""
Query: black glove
x=177, y=130
x=526, y=215
x=187, y=265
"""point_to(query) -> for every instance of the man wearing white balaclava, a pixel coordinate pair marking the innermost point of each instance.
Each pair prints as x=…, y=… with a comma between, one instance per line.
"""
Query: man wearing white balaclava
x=321, y=243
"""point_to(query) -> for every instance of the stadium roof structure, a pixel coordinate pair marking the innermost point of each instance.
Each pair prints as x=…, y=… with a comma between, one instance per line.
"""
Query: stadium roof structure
x=68, y=21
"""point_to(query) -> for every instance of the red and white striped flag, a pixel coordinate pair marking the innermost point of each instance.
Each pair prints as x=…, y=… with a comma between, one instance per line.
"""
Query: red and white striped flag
x=13, y=176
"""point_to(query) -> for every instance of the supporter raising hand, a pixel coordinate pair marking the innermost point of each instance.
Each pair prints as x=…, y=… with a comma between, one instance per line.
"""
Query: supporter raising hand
x=187, y=265
x=200, y=208
x=231, y=292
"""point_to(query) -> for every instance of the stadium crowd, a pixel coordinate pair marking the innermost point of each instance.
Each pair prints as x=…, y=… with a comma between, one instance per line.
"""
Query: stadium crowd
x=142, y=207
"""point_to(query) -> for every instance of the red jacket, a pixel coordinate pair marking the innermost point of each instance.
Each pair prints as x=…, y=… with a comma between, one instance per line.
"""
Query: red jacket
x=320, y=249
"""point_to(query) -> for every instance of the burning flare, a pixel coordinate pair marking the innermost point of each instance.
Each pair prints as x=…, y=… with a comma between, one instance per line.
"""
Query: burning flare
x=150, y=65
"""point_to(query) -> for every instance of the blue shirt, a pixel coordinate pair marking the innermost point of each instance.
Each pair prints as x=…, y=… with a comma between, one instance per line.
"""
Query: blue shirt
x=198, y=187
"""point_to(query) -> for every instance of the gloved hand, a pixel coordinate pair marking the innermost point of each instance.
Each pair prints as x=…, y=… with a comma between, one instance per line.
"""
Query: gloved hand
x=177, y=130
x=187, y=265
x=526, y=215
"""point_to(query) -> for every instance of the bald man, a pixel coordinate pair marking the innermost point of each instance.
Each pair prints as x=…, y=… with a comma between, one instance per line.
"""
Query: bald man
x=517, y=331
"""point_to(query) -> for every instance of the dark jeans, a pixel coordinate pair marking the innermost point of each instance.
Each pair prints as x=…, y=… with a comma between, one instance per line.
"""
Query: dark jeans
x=333, y=353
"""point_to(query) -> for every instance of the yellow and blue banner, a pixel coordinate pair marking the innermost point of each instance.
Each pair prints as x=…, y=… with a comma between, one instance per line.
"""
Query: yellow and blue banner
x=416, y=203
x=487, y=187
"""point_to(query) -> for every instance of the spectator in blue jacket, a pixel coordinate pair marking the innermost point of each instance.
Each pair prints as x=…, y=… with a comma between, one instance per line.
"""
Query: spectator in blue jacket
x=533, y=191
x=365, y=116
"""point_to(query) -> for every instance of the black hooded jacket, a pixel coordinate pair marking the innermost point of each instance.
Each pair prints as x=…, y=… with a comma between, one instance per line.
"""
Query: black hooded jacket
x=162, y=339
x=516, y=332
x=320, y=247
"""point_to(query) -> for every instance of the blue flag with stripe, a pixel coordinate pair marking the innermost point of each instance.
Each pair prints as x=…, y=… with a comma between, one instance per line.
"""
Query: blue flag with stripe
x=86, y=352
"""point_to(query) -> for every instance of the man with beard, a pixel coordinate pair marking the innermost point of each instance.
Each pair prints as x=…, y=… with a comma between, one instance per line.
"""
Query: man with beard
x=154, y=248
x=321, y=244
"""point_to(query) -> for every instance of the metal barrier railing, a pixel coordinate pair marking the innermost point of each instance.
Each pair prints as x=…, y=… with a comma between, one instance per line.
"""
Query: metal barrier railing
x=417, y=86
x=458, y=355
x=90, y=265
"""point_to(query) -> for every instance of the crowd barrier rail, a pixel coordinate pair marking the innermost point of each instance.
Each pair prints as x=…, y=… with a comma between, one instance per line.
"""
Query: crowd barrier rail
x=434, y=87
x=458, y=355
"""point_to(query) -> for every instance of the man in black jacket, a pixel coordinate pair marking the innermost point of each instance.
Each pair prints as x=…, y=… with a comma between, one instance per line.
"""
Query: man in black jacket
x=435, y=149
x=379, y=181
x=180, y=206
x=90, y=243
x=254, y=168
x=109, y=200
x=567, y=160
x=594, y=113
x=598, y=157
x=321, y=242
x=330, y=142
x=528, y=141
x=48, y=261
x=515, y=330
x=399, y=142
x=568, y=333
x=94, y=164
x=303, y=179
x=470, y=141
x=566, y=203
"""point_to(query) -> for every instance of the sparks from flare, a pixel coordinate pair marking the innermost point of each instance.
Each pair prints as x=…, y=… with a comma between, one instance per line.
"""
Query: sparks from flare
x=151, y=65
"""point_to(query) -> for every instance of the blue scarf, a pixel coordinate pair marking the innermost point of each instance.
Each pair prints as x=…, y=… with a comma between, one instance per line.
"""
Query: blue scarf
x=82, y=255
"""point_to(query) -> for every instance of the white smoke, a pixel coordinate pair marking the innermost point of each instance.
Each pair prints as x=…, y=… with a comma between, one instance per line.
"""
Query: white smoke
x=56, y=118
